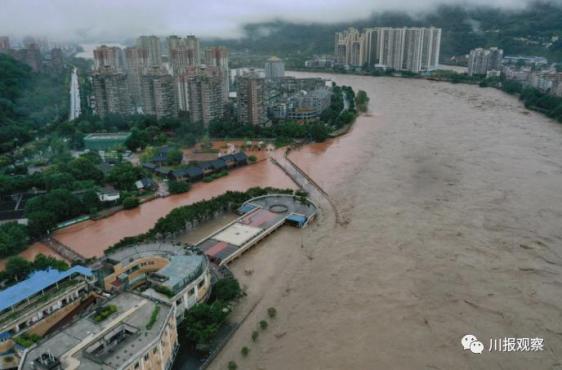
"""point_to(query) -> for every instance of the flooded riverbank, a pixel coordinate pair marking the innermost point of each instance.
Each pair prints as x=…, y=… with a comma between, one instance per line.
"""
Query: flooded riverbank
x=91, y=238
x=452, y=199
x=33, y=251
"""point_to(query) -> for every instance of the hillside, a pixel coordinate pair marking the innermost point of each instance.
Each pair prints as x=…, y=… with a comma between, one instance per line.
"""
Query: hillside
x=526, y=31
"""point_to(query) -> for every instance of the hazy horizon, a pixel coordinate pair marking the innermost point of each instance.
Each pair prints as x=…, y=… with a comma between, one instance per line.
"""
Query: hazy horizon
x=105, y=20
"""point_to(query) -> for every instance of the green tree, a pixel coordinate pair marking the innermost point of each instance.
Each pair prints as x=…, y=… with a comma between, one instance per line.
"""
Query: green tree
x=40, y=222
x=60, y=202
x=42, y=262
x=124, y=175
x=130, y=202
x=18, y=268
x=174, y=157
x=226, y=290
x=13, y=238
x=83, y=169
x=176, y=187
x=362, y=101
x=203, y=321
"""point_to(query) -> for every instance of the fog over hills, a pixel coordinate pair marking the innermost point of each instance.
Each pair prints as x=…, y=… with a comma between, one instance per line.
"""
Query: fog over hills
x=524, y=30
x=292, y=27
x=109, y=20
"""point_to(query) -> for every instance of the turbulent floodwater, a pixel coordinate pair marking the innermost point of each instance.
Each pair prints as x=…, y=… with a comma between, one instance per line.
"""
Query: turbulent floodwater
x=450, y=224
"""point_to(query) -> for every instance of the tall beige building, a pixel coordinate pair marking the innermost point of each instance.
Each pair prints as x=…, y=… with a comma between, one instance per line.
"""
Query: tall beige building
x=152, y=45
x=108, y=56
x=218, y=57
x=183, y=53
x=350, y=47
x=137, y=62
x=111, y=92
x=403, y=49
x=158, y=93
x=201, y=92
x=4, y=42
x=251, y=97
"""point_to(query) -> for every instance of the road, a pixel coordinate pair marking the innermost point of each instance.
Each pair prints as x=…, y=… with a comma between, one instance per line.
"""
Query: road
x=74, y=96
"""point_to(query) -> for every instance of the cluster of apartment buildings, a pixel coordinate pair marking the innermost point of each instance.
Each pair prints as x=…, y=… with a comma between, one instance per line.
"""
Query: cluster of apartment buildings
x=546, y=80
x=530, y=71
x=413, y=49
x=141, y=79
x=31, y=54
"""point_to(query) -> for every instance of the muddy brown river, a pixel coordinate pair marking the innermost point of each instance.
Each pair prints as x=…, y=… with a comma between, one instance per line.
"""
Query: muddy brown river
x=91, y=238
x=450, y=209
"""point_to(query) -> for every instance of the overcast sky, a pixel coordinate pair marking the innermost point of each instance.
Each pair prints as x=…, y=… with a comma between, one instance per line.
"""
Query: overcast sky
x=114, y=20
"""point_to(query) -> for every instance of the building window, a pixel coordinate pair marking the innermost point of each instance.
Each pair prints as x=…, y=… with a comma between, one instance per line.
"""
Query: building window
x=155, y=350
x=146, y=356
x=178, y=302
x=201, y=283
x=137, y=365
x=191, y=291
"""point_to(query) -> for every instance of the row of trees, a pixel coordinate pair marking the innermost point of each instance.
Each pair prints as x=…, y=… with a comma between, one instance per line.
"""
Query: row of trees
x=535, y=99
x=18, y=269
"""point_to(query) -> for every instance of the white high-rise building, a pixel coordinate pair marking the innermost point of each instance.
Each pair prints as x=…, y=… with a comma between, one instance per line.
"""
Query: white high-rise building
x=274, y=68
x=402, y=49
x=480, y=61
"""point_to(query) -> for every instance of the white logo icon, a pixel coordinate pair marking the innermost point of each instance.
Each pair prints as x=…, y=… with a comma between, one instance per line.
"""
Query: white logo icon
x=470, y=342
x=467, y=341
x=476, y=347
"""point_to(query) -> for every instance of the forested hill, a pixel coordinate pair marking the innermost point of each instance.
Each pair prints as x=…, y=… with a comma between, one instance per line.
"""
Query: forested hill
x=525, y=31
x=28, y=101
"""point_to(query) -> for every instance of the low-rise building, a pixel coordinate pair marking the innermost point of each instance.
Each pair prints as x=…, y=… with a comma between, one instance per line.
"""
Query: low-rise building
x=138, y=334
x=42, y=300
x=105, y=141
x=162, y=271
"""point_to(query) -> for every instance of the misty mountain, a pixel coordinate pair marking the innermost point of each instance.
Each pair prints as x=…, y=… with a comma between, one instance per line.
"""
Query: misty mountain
x=530, y=31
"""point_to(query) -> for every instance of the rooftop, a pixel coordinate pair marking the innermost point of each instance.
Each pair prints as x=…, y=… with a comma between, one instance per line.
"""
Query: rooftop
x=35, y=283
x=108, y=344
x=180, y=271
x=107, y=136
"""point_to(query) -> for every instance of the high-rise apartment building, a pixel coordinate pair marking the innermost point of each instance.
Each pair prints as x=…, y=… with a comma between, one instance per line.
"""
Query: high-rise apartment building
x=108, y=56
x=30, y=56
x=57, y=60
x=251, y=97
x=4, y=42
x=480, y=61
x=152, y=45
x=158, y=93
x=274, y=68
x=350, y=48
x=111, y=92
x=200, y=90
x=402, y=49
x=183, y=53
x=137, y=62
x=218, y=57
x=173, y=42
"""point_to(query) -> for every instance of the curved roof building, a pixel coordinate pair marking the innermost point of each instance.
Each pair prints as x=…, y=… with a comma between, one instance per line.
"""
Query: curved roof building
x=163, y=271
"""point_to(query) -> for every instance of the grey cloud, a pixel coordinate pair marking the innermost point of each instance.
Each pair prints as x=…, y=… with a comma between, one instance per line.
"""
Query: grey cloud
x=107, y=20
